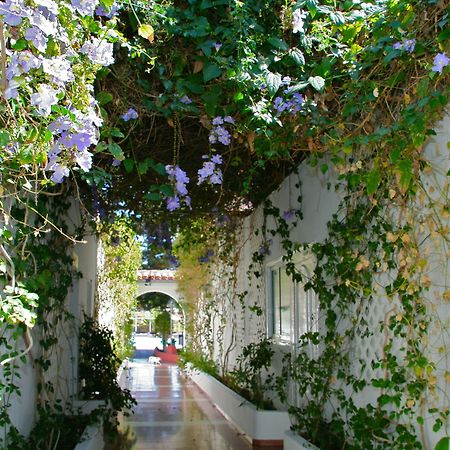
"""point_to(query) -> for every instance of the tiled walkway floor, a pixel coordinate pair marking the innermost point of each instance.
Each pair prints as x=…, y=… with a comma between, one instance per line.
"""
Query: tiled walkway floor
x=173, y=413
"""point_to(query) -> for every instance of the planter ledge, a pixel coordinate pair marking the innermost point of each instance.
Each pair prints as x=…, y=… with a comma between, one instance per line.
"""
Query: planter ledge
x=293, y=441
x=263, y=428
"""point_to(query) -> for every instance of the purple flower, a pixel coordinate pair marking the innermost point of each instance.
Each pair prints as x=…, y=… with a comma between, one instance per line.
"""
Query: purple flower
x=229, y=119
x=84, y=160
x=11, y=90
x=44, y=99
x=440, y=61
x=13, y=11
x=80, y=140
x=279, y=104
x=206, y=171
x=217, y=45
x=409, y=45
x=289, y=214
x=298, y=98
x=28, y=61
x=216, y=177
x=60, y=172
x=98, y=51
x=209, y=172
x=173, y=203
x=180, y=175
x=116, y=162
x=84, y=7
x=60, y=69
x=60, y=124
x=179, y=179
x=185, y=100
x=47, y=26
x=212, y=138
x=100, y=11
x=37, y=37
x=115, y=241
x=217, y=120
x=48, y=7
x=180, y=187
x=264, y=249
x=129, y=115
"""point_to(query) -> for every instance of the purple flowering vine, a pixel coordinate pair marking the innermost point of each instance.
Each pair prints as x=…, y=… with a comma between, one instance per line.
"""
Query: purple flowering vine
x=179, y=180
x=218, y=131
x=209, y=172
x=408, y=45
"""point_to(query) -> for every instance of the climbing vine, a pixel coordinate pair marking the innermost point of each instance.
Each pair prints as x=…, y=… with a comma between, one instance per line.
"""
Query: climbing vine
x=223, y=99
x=117, y=288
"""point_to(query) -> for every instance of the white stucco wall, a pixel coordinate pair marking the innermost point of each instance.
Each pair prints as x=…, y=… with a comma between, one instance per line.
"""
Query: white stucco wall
x=63, y=372
x=320, y=202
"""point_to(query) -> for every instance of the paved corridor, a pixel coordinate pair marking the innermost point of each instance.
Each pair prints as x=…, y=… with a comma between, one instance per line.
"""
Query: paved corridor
x=174, y=414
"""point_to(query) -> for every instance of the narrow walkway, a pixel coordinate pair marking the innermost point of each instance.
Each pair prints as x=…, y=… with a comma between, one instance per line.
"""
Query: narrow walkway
x=174, y=414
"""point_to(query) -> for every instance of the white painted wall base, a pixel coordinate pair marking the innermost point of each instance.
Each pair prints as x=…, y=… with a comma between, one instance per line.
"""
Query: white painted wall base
x=257, y=424
x=92, y=438
x=293, y=441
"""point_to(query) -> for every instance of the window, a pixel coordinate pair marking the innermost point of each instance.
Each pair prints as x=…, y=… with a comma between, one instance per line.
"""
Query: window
x=293, y=311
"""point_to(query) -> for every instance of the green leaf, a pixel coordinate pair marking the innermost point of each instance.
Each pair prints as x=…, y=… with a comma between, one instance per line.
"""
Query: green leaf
x=116, y=151
x=278, y=43
x=153, y=196
x=128, y=164
x=273, y=81
x=298, y=56
x=147, y=32
x=20, y=45
x=405, y=171
x=317, y=83
x=337, y=17
x=372, y=181
x=4, y=138
x=103, y=98
x=166, y=189
x=299, y=86
x=143, y=167
x=443, y=444
x=107, y=4
x=116, y=133
x=211, y=71
x=159, y=168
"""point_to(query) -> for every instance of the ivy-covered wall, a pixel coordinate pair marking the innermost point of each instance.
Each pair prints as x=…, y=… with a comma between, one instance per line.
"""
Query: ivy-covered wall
x=54, y=367
x=380, y=355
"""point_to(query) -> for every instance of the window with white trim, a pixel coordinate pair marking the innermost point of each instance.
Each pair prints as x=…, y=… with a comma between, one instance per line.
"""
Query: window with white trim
x=293, y=311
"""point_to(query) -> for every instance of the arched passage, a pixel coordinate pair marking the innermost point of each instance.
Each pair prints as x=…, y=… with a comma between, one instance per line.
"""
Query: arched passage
x=164, y=282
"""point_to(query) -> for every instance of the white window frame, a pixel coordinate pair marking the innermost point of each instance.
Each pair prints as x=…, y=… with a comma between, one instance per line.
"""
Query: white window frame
x=305, y=261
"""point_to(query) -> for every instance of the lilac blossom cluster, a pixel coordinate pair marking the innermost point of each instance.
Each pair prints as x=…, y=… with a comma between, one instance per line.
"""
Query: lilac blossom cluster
x=407, y=45
x=291, y=102
x=218, y=131
x=179, y=179
x=209, y=172
x=45, y=82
